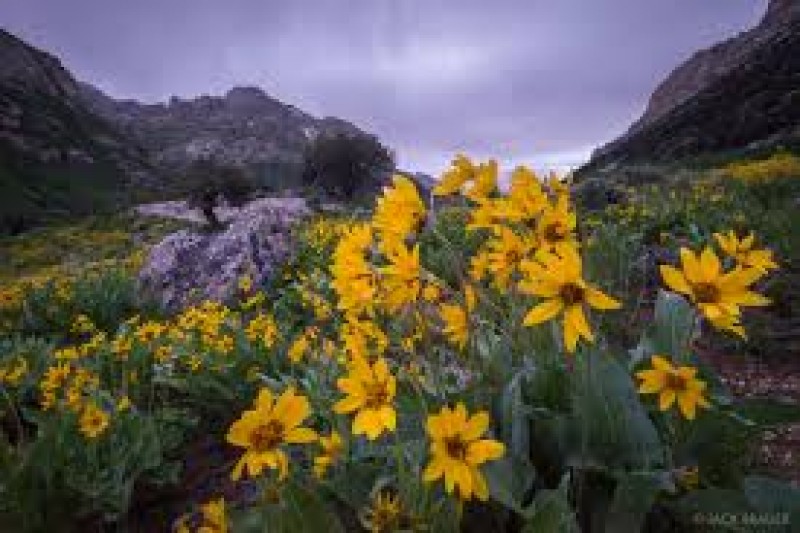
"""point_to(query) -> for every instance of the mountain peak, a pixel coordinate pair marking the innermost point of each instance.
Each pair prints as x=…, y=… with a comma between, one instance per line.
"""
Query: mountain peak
x=779, y=11
x=248, y=96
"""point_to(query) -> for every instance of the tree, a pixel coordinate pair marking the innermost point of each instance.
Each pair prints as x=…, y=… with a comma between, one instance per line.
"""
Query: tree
x=208, y=182
x=344, y=164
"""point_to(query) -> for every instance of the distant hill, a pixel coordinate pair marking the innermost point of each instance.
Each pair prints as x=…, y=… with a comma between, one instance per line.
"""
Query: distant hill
x=67, y=148
x=245, y=128
x=740, y=95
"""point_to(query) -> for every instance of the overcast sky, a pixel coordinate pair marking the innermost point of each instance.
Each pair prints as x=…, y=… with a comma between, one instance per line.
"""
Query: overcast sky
x=535, y=81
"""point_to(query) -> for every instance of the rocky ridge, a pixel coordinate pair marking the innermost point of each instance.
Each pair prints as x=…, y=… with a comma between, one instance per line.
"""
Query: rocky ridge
x=245, y=128
x=739, y=92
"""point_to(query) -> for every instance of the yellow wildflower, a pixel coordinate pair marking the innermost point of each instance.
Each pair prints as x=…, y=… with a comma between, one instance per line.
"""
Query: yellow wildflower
x=370, y=391
x=214, y=519
x=262, y=430
x=673, y=383
x=743, y=252
x=504, y=253
x=93, y=421
x=332, y=447
x=245, y=284
x=457, y=451
x=401, y=282
x=13, y=372
x=556, y=226
x=399, y=211
x=353, y=278
x=719, y=295
x=263, y=329
x=383, y=515
x=559, y=282
x=462, y=171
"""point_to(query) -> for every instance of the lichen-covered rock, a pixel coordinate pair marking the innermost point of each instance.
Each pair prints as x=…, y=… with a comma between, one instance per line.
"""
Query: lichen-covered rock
x=188, y=267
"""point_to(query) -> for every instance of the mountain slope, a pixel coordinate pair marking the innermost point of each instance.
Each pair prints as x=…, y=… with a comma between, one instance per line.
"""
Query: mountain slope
x=56, y=156
x=743, y=93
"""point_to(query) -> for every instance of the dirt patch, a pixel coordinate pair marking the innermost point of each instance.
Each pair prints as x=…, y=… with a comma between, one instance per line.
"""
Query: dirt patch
x=750, y=378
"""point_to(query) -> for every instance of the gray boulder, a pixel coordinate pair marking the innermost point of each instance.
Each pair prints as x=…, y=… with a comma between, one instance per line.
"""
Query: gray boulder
x=191, y=266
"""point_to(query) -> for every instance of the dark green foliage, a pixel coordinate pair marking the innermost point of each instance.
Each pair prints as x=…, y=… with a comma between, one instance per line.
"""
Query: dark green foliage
x=68, y=162
x=208, y=182
x=342, y=164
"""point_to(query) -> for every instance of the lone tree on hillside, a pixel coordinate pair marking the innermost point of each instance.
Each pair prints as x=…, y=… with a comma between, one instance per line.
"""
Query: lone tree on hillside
x=343, y=164
x=209, y=182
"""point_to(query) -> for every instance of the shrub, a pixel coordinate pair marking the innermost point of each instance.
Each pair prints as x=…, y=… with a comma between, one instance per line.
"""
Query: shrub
x=209, y=182
x=344, y=164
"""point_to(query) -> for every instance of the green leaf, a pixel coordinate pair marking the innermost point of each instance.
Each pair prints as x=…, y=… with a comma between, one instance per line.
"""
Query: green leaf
x=300, y=511
x=609, y=428
x=551, y=511
x=633, y=498
x=767, y=494
x=673, y=325
x=510, y=479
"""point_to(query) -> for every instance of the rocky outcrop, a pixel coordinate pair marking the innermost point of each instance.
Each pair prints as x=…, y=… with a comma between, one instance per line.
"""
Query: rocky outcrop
x=191, y=266
x=245, y=128
x=738, y=92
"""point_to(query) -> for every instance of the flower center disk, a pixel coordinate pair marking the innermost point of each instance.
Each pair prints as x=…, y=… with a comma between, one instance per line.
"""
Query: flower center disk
x=572, y=294
x=267, y=436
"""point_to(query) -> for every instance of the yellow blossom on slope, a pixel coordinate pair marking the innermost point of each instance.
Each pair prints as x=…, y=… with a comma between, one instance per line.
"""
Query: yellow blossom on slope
x=301, y=344
x=263, y=430
x=485, y=181
x=717, y=294
x=673, y=383
x=93, y=421
x=332, y=447
x=214, y=519
x=262, y=329
x=556, y=226
x=370, y=391
x=401, y=283
x=526, y=198
x=456, y=319
x=458, y=450
x=399, y=211
x=477, y=182
x=461, y=171
x=744, y=253
x=505, y=252
x=559, y=282
x=383, y=515
x=363, y=339
x=353, y=278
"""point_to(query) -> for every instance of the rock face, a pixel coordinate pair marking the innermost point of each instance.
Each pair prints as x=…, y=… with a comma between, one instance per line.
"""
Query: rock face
x=67, y=148
x=744, y=90
x=55, y=154
x=245, y=128
x=188, y=267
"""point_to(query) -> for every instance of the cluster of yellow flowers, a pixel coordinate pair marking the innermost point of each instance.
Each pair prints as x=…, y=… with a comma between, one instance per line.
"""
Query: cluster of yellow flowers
x=13, y=370
x=60, y=281
x=781, y=165
x=532, y=246
x=200, y=337
x=719, y=296
x=375, y=272
x=531, y=249
x=717, y=293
